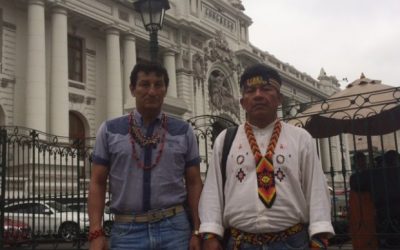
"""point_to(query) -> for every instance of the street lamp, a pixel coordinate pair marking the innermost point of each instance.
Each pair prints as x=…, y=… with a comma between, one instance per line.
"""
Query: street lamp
x=152, y=13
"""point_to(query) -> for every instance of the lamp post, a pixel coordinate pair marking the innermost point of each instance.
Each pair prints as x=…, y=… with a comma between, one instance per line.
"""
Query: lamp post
x=152, y=13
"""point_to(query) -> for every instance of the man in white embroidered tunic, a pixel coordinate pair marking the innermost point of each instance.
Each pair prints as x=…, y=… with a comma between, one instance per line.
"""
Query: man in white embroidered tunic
x=153, y=166
x=275, y=194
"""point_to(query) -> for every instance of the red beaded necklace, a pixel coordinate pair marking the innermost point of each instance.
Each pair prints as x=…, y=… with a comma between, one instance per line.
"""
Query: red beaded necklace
x=272, y=142
x=136, y=134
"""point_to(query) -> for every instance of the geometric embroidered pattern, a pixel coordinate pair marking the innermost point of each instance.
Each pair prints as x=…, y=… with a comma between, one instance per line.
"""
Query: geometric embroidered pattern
x=264, y=165
x=240, y=237
x=240, y=175
x=266, y=182
x=280, y=175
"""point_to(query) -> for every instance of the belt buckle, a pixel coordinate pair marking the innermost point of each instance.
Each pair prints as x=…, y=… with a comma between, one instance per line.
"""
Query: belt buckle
x=154, y=217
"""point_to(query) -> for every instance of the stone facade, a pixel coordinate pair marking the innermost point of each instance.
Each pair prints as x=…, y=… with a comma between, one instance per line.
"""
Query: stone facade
x=63, y=58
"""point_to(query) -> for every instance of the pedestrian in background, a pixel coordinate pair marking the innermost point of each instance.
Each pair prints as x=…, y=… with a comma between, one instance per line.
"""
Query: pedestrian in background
x=362, y=214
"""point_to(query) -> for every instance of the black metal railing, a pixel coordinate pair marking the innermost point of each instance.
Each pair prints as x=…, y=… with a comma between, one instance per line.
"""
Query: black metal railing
x=41, y=174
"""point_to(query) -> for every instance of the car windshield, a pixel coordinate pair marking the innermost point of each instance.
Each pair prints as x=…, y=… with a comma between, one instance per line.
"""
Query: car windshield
x=59, y=207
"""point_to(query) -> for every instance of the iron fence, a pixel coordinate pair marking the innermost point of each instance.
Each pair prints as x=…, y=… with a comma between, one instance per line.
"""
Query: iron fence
x=44, y=177
x=44, y=182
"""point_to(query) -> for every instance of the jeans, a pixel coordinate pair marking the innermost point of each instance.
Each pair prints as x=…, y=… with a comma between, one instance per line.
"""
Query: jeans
x=171, y=233
x=298, y=241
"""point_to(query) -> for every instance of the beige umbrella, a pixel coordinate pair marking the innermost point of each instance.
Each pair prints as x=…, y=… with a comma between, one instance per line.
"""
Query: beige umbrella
x=365, y=107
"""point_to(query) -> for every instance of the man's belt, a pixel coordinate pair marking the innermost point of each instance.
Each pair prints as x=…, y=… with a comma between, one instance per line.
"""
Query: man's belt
x=150, y=216
x=264, y=238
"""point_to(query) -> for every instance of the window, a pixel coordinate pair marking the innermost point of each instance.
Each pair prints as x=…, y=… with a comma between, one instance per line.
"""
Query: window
x=75, y=58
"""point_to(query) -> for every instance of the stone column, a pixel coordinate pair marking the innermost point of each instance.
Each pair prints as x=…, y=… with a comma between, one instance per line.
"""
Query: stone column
x=129, y=63
x=114, y=84
x=325, y=154
x=169, y=64
x=36, y=115
x=336, y=157
x=59, y=103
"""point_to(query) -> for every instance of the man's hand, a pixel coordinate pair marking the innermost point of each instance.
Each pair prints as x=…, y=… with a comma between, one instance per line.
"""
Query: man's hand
x=195, y=242
x=99, y=243
x=212, y=244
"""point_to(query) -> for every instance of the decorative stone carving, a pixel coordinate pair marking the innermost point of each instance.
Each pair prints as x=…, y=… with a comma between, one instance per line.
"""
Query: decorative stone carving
x=221, y=94
x=199, y=67
x=218, y=50
x=220, y=91
x=237, y=4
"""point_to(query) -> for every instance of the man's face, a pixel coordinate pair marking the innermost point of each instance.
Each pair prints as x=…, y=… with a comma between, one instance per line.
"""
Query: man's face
x=149, y=91
x=260, y=100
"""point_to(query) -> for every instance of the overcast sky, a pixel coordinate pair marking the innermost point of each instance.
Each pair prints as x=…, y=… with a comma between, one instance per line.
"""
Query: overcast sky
x=345, y=37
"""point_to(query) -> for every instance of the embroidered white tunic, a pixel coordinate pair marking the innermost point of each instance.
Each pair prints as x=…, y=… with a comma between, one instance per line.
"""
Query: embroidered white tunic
x=302, y=191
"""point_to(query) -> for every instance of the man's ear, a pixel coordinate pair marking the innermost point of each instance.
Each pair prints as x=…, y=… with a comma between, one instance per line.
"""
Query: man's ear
x=166, y=91
x=132, y=89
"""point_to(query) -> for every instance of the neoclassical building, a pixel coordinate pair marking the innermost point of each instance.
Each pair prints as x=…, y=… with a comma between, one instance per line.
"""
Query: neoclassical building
x=65, y=64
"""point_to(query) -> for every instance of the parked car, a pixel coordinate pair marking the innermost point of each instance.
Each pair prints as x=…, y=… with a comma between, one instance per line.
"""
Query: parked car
x=49, y=217
x=108, y=217
x=15, y=232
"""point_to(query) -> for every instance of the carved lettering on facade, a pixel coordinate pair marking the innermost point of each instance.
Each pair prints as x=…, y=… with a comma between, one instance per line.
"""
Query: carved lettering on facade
x=217, y=17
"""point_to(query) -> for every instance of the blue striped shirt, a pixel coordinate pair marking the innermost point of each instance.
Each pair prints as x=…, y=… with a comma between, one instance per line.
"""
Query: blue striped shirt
x=133, y=189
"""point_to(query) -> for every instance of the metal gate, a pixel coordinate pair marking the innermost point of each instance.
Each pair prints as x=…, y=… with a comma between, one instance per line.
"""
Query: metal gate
x=44, y=182
x=206, y=129
x=3, y=136
x=42, y=174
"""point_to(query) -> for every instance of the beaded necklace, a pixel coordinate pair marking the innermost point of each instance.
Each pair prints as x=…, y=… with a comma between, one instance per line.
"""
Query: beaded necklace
x=143, y=141
x=264, y=164
x=272, y=142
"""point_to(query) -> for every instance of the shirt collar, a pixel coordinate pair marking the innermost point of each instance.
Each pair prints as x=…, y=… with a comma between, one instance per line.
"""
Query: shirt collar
x=139, y=118
x=269, y=126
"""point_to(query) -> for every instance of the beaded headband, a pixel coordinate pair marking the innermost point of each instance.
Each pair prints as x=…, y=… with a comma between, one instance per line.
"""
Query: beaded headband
x=259, y=80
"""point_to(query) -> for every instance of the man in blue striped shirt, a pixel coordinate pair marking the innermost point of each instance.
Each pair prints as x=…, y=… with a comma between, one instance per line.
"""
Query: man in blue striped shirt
x=152, y=162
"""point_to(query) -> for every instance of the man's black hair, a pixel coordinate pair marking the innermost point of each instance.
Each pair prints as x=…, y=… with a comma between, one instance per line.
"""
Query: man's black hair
x=259, y=70
x=147, y=68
